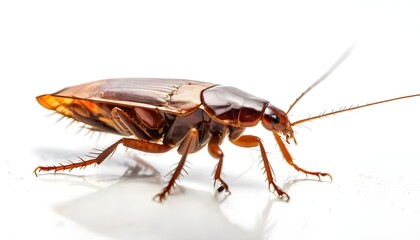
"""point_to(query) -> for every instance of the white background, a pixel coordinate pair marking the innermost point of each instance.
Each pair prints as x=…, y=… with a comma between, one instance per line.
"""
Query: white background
x=273, y=49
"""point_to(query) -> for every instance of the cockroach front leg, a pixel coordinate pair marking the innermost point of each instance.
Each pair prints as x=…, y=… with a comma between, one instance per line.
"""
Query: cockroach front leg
x=254, y=141
x=137, y=144
x=289, y=160
x=217, y=153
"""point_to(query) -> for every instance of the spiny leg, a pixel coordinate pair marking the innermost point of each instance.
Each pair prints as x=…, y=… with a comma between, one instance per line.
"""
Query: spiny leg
x=217, y=153
x=289, y=160
x=186, y=146
x=253, y=141
x=126, y=126
x=137, y=144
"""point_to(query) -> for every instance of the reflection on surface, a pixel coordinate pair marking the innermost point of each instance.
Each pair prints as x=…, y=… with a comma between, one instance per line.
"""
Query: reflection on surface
x=125, y=210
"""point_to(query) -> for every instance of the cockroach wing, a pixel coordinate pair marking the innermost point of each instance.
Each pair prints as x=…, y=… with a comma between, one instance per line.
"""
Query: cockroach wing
x=176, y=96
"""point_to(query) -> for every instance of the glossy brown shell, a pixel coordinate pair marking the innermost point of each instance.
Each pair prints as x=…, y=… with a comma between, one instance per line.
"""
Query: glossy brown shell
x=175, y=96
x=232, y=106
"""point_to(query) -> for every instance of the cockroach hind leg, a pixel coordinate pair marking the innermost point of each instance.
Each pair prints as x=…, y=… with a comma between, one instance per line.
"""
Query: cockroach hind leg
x=160, y=197
x=37, y=170
x=65, y=167
x=82, y=163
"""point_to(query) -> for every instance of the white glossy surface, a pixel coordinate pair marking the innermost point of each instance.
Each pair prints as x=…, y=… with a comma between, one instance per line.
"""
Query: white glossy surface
x=271, y=50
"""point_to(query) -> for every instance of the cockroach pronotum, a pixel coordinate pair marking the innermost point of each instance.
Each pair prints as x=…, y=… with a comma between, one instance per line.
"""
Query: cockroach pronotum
x=156, y=115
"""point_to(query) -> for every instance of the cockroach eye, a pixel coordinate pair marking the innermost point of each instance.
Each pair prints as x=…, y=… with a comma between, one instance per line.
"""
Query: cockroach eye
x=274, y=119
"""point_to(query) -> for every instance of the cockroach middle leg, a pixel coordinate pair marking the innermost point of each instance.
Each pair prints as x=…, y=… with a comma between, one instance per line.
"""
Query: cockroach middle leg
x=217, y=153
x=136, y=144
x=186, y=146
x=289, y=160
x=254, y=141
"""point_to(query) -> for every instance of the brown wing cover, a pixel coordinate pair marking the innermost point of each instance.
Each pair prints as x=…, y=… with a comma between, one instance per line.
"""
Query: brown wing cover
x=176, y=96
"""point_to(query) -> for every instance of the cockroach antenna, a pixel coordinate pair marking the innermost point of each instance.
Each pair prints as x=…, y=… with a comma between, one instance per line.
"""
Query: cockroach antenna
x=351, y=108
x=325, y=75
x=342, y=109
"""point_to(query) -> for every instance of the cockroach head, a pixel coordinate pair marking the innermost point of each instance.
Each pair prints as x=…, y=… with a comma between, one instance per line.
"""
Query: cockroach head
x=276, y=120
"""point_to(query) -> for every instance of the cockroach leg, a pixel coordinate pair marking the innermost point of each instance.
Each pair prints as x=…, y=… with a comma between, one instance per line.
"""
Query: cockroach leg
x=123, y=120
x=137, y=144
x=254, y=141
x=217, y=153
x=186, y=146
x=289, y=160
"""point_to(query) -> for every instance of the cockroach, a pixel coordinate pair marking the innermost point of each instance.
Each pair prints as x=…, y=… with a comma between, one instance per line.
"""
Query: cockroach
x=156, y=115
